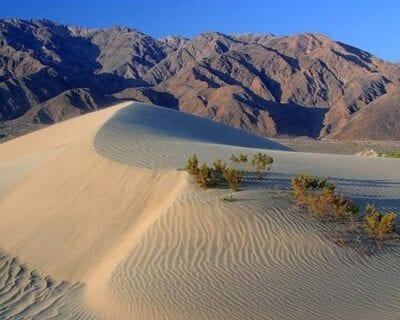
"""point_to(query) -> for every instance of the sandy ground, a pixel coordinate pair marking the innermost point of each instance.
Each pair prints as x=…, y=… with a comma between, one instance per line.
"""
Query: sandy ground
x=303, y=144
x=105, y=227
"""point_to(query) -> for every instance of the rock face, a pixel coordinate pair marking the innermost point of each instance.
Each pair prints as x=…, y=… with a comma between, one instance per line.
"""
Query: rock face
x=301, y=85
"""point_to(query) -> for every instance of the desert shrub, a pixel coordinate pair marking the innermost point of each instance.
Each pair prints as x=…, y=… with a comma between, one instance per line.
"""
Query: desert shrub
x=390, y=155
x=372, y=217
x=219, y=166
x=239, y=159
x=320, y=198
x=262, y=163
x=205, y=177
x=320, y=203
x=303, y=184
x=308, y=182
x=233, y=178
x=228, y=198
x=343, y=207
x=192, y=165
x=299, y=190
x=379, y=224
x=234, y=159
x=243, y=158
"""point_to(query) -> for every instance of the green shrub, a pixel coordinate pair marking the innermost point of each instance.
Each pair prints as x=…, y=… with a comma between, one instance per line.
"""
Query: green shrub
x=219, y=166
x=192, y=165
x=243, y=158
x=303, y=184
x=379, y=224
x=233, y=177
x=234, y=159
x=262, y=163
x=343, y=207
x=239, y=159
x=390, y=155
x=320, y=198
x=228, y=198
x=320, y=203
x=205, y=177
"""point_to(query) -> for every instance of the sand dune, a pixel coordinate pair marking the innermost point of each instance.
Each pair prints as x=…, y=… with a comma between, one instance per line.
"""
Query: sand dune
x=96, y=204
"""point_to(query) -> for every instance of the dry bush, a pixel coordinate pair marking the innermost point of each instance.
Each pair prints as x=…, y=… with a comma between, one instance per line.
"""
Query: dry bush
x=329, y=204
x=228, y=198
x=233, y=177
x=243, y=158
x=320, y=198
x=239, y=159
x=219, y=166
x=205, y=177
x=343, y=207
x=378, y=224
x=320, y=203
x=262, y=163
x=304, y=184
x=192, y=165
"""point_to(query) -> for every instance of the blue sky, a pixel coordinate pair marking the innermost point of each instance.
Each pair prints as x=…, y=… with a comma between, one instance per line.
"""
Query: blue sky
x=368, y=24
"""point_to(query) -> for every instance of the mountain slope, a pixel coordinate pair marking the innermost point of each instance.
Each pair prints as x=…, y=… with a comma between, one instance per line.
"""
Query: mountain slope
x=300, y=85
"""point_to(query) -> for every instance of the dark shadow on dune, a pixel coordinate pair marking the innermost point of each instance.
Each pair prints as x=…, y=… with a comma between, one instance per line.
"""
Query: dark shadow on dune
x=170, y=123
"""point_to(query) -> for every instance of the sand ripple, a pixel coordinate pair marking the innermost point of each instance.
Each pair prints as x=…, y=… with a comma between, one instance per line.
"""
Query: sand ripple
x=180, y=253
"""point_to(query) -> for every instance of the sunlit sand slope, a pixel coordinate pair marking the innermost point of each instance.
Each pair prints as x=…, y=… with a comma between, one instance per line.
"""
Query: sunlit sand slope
x=97, y=204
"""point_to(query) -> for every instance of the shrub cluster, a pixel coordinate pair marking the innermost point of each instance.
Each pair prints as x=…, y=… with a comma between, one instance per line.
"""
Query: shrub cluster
x=262, y=163
x=208, y=177
x=233, y=178
x=318, y=196
x=379, y=224
x=390, y=155
x=192, y=165
x=239, y=159
x=219, y=166
x=304, y=184
x=205, y=177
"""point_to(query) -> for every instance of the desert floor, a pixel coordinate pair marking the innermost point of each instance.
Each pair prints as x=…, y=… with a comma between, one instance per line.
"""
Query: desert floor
x=98, y=221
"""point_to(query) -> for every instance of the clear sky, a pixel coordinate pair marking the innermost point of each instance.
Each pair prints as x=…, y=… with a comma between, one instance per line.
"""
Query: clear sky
x=372, y=25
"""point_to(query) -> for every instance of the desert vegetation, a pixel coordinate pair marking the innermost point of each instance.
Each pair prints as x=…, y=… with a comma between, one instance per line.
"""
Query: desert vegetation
x=390, y=155
x=233, y=178
x=192, y=165
x=219, y=166
x=318, y=196
x=222, y=174
x=379, y=224
x=262, y=164
x=239, y=161
x=228, y=198
x=205, y=177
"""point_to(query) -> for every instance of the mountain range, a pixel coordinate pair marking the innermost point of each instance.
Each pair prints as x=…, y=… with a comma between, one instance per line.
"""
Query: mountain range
x=300, y=85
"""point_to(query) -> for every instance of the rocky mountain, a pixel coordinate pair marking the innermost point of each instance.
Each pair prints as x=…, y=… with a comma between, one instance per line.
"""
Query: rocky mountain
x=300, y=85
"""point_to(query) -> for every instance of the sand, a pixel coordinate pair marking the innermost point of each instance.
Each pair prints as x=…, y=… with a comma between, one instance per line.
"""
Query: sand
x=104, y=226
